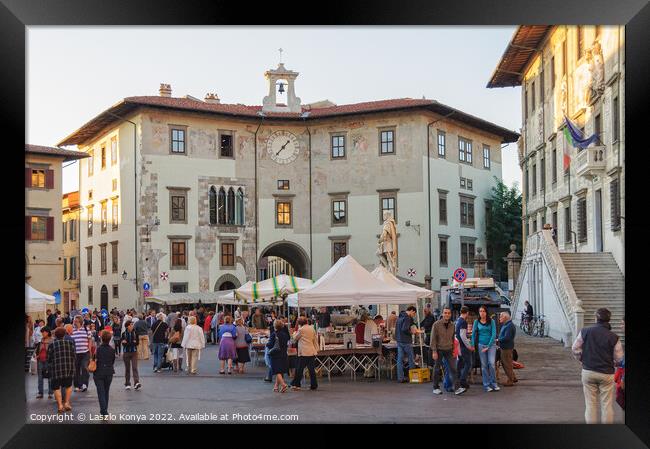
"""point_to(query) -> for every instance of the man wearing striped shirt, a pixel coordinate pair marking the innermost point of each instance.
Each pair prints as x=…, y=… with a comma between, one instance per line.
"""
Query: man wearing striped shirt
x=82, y=343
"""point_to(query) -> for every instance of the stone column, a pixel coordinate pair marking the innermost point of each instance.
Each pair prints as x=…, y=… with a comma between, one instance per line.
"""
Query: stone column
x=514, y=263
x=480, y=263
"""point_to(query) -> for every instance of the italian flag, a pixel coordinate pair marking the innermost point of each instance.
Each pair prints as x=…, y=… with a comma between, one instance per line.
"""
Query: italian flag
x=567, y=152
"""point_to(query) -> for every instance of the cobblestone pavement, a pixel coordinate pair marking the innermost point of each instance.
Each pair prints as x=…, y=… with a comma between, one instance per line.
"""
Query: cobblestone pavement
x=549, y=391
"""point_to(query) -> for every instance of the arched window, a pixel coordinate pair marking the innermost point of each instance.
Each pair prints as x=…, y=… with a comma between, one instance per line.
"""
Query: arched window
x=231, y=206
x=213, y=205
x=240, y=207
x=222, y=206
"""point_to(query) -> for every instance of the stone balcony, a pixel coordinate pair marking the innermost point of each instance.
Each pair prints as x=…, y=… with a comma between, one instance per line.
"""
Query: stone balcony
x=591, y=161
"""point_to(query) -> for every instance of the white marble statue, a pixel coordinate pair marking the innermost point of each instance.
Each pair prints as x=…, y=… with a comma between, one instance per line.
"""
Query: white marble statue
x=387, y=244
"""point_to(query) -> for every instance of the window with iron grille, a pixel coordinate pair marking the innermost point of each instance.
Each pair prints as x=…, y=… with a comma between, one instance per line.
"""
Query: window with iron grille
x=178, y=287
x=283, y=184
x=615, y=204
x=338, y=147
x=116, y=292
x=227, y=254
x=114, y=261
x=582, y=219
x=442, y=208
x=387, y=141
x=178, y=208
x=443, y=252
x=466, y=254
x=102, y=257
x=177, y=140
x=441, y=143
x=466, y=212
x=339, y=214
x=89, y=260
x=567, y=224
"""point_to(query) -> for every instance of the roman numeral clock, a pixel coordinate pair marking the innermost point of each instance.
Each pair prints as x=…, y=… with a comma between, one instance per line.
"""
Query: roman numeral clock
x=283, y=147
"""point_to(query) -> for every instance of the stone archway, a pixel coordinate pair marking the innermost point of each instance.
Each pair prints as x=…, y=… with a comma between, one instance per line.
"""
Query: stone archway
x=227, y=280
x=292, y=253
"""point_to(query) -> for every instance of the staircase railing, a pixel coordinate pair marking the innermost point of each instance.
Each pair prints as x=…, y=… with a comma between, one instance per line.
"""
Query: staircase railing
x=541, y=244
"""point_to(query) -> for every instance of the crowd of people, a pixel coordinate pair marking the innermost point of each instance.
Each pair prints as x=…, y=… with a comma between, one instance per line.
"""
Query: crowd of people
x=68, y=348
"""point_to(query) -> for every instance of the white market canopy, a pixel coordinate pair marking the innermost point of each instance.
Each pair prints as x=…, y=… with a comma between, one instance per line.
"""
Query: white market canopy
x=269, y=291
x=174, y=299
x=386, y=276
x=36, y=301
x=348, y=283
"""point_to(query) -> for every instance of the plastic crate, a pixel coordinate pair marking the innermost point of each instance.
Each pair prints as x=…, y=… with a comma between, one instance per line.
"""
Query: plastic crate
x=419, y=375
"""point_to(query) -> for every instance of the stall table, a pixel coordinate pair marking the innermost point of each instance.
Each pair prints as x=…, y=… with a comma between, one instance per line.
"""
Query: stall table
x=339, y=358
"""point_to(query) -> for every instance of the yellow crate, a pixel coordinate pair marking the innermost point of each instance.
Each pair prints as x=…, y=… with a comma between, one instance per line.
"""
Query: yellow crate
x=419, y=375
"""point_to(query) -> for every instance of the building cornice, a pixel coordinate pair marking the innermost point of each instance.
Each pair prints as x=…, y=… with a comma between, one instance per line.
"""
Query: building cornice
x=339, y=237
x=179, y=237
x=338, y=193
x=581, y=192
x=387, y=190
x=564, y=199
x=283, y=195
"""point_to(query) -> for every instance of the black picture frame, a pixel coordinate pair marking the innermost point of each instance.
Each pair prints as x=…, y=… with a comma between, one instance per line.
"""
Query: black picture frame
x=15, y=15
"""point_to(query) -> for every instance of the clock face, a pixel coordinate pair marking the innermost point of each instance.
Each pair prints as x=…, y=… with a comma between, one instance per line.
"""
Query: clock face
x=283, y=147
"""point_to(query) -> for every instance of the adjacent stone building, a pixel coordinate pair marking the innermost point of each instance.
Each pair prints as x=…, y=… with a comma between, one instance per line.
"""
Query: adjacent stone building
x=577, y=72
x=205, y=196
x=43, y=217
x=71, y=212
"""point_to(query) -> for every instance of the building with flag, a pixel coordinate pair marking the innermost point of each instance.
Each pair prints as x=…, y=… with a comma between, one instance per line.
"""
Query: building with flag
x=218, y=194
x=572, y=157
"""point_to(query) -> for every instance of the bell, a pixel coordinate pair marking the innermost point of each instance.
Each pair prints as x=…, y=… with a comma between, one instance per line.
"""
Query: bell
x=281, y=89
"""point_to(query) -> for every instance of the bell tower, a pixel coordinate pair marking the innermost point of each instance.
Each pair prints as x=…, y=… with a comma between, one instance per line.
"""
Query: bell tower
x=281, y=84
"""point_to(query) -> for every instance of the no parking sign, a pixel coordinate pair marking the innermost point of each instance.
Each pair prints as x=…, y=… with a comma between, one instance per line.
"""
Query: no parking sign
x=460, y=275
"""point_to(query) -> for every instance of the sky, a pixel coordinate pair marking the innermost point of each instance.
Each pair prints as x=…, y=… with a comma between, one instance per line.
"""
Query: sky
x=74, y=73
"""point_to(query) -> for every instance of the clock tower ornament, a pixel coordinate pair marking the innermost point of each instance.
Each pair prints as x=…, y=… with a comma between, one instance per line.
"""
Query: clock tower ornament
x=278, y=79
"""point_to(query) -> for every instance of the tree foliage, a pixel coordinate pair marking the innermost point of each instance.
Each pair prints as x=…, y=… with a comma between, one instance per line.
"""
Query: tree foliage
x=503, y=225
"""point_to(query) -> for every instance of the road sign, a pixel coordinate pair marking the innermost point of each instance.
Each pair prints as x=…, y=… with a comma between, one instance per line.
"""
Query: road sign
x=460, y=275
x=84, y=310
x=146, y=293
x=146, y=286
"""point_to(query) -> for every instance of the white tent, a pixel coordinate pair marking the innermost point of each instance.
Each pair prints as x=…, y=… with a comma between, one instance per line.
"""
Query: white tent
x=348, y=283
x=386, y=276
x=173, y=299
x=36, y=301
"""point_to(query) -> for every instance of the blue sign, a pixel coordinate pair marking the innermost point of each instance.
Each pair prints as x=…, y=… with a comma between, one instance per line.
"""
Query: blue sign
x=460, y=275
x=84, y=310
x=146, y=286
x=57, y=297
x=104, y=313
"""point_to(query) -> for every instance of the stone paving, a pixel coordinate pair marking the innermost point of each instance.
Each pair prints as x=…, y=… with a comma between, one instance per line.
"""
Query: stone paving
x=549, y=391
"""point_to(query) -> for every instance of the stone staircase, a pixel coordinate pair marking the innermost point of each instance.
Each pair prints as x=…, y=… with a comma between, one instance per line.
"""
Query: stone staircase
x=598, y=282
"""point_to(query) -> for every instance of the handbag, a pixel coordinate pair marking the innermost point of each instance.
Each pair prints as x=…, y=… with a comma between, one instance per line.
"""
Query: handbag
x=175, y=338
x=92, y=365
x=248, y=339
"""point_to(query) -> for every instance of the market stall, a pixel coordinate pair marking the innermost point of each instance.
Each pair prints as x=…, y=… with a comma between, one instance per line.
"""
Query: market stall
x=37, y=303
x=176, y=299
x=347, y=283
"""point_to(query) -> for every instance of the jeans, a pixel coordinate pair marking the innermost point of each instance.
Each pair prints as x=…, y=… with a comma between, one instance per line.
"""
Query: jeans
x=465, y=362
x=40, y=367
x=309, y=363
x=450, y=369
x=81, y=374
x=103, y=384
x=404, y=348
x=158, y=352
x=488, y=361
x=599, y=393
x=118, y=346
x=267, y=360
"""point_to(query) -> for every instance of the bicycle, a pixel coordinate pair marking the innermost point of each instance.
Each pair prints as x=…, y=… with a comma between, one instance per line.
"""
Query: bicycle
x=526, y=324
x=539, y=328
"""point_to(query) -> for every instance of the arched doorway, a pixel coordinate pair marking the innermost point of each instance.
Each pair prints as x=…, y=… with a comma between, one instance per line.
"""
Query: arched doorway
x=292, y=253
x=103, y=298
x=227, y=282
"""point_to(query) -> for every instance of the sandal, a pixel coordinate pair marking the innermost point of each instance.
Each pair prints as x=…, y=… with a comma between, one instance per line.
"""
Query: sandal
x=222, y=372
x=67, y=407
x=60, y=411
x=276, y=389
x=283, y=389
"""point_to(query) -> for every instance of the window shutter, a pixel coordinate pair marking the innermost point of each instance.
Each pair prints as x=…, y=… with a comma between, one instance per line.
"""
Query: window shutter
x=49, y=179
x=614, y=205
x=28, y=177
x=50, y=228
x=28, y=227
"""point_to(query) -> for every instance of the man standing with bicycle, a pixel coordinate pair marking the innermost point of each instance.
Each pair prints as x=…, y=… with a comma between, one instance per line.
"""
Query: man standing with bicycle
x=527, y=318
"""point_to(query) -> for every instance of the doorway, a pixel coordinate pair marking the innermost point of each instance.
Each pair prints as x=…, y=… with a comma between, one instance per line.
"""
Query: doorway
x=598, y=222
x=103, y=299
